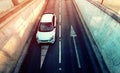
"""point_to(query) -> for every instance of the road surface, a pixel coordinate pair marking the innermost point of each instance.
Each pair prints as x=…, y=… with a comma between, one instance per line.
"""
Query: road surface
x=71, y=53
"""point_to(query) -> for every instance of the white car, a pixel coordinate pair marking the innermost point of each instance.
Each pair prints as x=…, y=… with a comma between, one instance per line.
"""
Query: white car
x=46, y=29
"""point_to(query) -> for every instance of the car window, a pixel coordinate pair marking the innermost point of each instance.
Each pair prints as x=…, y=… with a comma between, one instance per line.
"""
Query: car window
x=46, y=27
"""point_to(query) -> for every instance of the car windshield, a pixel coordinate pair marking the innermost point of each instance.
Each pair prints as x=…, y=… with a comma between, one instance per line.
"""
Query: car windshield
x=46, y=27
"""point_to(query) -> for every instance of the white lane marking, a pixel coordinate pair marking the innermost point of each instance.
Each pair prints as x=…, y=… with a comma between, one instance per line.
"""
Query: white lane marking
x=60, y=68
x=60, y=39
x=76, y=51
x=59, y=9
x=60, y=18
x=59, y=43
x=72, y=32
x=73, y=35
x=60, y=4
x=59, y=51
x=60, y=31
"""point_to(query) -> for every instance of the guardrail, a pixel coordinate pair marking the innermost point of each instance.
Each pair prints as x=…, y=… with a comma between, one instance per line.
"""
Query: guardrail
x=14, y=32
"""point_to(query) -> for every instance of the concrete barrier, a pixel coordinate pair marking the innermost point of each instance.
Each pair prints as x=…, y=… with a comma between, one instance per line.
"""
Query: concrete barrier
x=14, y=32
x=105, y=32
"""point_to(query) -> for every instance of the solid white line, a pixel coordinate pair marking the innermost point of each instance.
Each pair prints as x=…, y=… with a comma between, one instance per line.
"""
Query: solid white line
x=60, y=31
x=60, y=4
x=60, y=40
x=60, y=68
x=60, y=10
x=76, y=51
x=60, y=51
x=60, y=18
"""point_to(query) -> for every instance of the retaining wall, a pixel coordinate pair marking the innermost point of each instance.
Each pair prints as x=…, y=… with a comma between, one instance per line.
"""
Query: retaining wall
x=105, y=31
x=14, y=32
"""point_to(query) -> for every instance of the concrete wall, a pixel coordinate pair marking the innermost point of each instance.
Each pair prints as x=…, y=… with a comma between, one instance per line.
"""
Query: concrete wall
x=21, y=1
x=112, y=4
x=5, y=5
x=14, y=32
x=105, y=31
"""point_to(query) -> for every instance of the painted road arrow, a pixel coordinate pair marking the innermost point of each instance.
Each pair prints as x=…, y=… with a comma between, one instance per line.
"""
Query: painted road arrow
x=73, y=35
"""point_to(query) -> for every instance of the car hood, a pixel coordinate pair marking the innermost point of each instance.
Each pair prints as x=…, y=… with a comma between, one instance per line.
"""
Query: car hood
x=45, y=35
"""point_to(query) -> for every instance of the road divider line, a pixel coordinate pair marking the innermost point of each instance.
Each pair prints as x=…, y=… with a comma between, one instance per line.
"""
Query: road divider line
x=60, y=34
x=60, y=18
x=59, y=43
x=60, y=69
x=59, y=10
x=60, y=51
x=60, y=4
x=60, y=31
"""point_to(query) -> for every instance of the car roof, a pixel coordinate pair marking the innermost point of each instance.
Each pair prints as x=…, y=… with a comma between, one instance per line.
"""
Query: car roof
x=47, y=17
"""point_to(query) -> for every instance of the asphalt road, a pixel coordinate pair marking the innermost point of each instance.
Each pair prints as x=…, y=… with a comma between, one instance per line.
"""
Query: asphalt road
x=71, y=53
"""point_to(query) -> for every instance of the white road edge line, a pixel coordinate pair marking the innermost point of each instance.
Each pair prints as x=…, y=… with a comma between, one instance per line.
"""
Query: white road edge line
x=78, y=60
